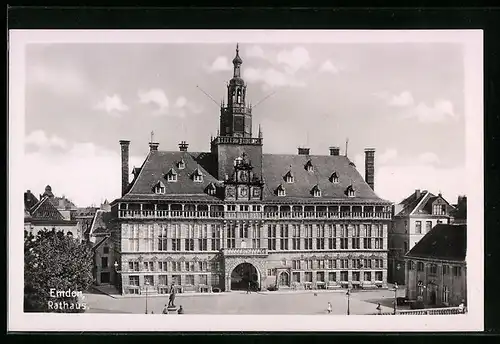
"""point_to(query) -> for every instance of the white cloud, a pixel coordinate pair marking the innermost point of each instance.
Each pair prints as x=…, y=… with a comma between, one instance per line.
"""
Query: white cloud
x=112, y=105
x=61, y=80
x=91, y=173
x=255, y=51
x=440, y=111
x=221, y=63
x=388, y=155
x=181, y=102
x=271, y=78
x=39, y=139
x=294, y=59
x=329, y=67
x=397, y=180
x=403, y=99
x=428, y=158
x=155, y=96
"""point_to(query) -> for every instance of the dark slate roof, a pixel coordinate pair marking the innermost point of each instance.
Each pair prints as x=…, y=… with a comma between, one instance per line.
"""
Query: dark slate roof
x=44, y=210
x=275, y=166
x=410, y=202
x=443, y=242
x=87, y=211
x=157, y=165
x=29, y=200
x=101, y=223
x=420, y=205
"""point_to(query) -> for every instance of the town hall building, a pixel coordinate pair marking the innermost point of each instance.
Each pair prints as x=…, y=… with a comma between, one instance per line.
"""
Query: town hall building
x=235, y=217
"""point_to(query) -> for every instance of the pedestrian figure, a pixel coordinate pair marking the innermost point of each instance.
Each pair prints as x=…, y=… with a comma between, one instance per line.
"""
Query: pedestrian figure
x=181, y=310
x=329, y=308
x=152, y=312
x=248, y=288
x=379, y=309
x=165, y=310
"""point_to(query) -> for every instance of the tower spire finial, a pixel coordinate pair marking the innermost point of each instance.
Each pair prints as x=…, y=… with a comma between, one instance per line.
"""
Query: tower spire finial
x=237, y=47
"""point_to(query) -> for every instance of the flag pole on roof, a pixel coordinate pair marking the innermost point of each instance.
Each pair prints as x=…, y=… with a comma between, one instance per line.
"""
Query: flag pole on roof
x=346, y=145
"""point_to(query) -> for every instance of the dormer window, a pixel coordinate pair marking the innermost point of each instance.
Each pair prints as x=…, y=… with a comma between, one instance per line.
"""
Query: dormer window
x=211, y=189
x=181, y=164
x=316, y=191
x=197, y=176
x=334, y=178
x=350, y=192
x=171, y=176
x=289, y=177
x=281, y=190
x=309, y=166
x=159, y=188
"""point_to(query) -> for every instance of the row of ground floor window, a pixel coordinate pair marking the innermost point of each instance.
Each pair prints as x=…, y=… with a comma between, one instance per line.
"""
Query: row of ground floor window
x=281, y=278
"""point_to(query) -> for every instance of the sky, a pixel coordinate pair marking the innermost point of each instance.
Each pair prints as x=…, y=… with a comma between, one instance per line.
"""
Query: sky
x=406, y=100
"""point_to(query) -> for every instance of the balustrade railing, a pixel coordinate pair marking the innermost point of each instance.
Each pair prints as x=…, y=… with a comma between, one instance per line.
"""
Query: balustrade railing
x=428, y=311
x=251, y=214
x=245, y=251
x=237, y=140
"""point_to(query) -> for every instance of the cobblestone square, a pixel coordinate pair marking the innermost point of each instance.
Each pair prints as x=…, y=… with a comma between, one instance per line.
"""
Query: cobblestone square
x=238, y=302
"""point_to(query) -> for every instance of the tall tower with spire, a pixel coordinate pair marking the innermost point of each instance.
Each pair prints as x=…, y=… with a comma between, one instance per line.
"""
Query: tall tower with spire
x=234, y=141
x=236, y=117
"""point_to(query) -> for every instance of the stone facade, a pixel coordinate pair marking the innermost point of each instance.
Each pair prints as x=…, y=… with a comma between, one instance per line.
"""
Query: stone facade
x=436, y=282
x=212, y=260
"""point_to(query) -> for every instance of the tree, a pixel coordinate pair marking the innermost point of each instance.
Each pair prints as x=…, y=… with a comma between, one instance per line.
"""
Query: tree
x=54, y=262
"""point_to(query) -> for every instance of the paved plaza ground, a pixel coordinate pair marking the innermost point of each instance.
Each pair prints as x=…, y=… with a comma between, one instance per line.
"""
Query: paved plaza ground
x=238, y=302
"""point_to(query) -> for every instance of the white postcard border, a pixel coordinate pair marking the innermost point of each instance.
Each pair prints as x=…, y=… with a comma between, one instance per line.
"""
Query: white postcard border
x=472, y=41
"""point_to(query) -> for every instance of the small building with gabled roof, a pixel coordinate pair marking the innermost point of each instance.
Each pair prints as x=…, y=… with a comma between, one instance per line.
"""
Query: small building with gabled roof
x=413, y=218
x=436, y=268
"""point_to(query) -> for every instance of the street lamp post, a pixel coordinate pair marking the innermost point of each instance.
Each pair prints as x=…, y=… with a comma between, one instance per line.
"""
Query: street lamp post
x=348, y=299
x=395, y=297
x=146, y=284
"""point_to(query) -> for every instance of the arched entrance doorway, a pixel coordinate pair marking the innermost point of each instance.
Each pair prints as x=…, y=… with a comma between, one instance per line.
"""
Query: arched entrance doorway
x=242, y=275
x=284, y=279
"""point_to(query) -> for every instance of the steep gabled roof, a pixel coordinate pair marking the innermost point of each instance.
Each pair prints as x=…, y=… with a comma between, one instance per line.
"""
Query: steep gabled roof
x=422, y=205
x=44, y=210
x=159, y=163
x=443, y=242
x=29, y=200
x=101, y=224
x=99, y=242
x=411, y=202
x=304, y=181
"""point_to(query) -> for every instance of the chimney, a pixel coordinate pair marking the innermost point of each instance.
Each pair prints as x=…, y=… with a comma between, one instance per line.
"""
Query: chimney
x=124, y=144
x=303, y=151
x=334, y=151
x=417, y=193
x=370, y=167
x=183, y=146
x=153, y=146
